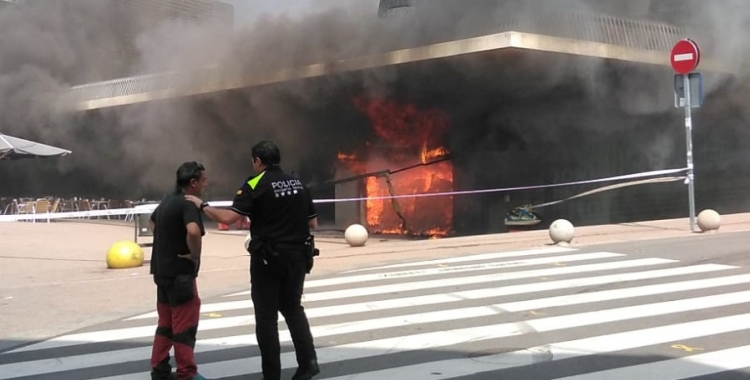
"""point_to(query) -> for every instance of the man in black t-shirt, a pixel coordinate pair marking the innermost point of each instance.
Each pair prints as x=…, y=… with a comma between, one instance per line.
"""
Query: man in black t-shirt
x=281, y=213
x=175, y=262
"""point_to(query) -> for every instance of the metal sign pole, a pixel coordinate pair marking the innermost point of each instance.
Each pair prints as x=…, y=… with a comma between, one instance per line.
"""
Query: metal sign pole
x=685, y=57
x=689, y=141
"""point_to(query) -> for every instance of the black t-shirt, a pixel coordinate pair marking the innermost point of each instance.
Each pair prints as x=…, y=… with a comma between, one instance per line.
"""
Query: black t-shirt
x=170, y=219
x=279, y=206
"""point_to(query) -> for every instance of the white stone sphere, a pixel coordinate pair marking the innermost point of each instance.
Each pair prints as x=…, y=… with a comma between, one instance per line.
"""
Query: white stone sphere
x=356, y=235
x=709, y=220
x=561, y=231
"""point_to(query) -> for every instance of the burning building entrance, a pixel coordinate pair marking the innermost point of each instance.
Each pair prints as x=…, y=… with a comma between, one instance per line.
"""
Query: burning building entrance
x=407, y=156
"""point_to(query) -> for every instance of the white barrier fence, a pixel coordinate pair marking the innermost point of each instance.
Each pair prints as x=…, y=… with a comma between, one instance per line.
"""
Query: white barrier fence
x=634, y=179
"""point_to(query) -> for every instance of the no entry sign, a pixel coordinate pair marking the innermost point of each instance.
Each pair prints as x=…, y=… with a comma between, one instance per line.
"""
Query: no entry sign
x=686, y=56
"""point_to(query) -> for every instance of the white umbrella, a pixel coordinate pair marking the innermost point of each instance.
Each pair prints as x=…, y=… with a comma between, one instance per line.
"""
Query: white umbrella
x=14, y=148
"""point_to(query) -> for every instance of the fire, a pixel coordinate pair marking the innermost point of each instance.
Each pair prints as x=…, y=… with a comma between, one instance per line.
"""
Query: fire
x=428, y=155
x=409, y=160
x=375, y=208
x=429, y=216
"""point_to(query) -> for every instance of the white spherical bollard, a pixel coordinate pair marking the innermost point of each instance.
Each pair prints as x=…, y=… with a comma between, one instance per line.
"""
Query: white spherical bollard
x=709, y=220
x=247, y=241
x=561, y=231
x=356, y=235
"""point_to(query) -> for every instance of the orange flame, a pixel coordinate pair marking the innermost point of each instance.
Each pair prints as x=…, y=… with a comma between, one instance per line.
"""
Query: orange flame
x=429, y=155
x=374, y=207
x=407, y=133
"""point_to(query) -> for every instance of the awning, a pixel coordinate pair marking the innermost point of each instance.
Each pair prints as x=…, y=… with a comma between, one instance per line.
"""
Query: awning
x=14, y=148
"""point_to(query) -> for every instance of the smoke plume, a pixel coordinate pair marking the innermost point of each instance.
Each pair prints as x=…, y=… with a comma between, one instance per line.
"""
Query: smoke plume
x=580, y=104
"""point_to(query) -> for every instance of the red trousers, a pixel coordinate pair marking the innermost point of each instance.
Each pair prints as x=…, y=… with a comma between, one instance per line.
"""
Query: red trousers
x=177, y=328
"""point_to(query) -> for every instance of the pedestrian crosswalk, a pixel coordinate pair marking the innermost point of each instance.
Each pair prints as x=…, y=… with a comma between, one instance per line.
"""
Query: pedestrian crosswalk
x=550, y=313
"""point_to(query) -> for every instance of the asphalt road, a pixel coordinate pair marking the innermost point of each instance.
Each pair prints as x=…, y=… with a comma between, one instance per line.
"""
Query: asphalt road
x=647, y=310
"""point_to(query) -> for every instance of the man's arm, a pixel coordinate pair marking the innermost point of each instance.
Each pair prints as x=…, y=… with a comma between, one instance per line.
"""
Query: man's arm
x=312, y=213
x=194, y=241
x=242, y=205
x=191, y=218
x=152, y=220
x=222, y=215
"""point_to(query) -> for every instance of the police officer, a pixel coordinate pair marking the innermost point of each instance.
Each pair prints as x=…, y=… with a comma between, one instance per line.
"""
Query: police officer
x=281, y=215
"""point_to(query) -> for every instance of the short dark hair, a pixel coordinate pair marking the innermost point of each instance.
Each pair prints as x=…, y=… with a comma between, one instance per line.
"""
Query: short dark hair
x=267, y=152
x=188, y=171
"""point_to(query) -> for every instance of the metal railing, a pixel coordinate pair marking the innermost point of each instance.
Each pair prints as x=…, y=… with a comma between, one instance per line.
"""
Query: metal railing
x=635, y=34
x=146, y=83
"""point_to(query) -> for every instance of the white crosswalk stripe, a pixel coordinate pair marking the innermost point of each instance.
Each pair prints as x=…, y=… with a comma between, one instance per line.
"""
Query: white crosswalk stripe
x=544, y=313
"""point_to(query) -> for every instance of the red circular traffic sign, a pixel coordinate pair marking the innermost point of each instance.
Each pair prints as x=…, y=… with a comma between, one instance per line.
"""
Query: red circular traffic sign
x=685, y=57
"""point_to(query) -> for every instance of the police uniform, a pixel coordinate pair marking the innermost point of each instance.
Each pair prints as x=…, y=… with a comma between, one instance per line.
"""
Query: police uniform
x=279, y=207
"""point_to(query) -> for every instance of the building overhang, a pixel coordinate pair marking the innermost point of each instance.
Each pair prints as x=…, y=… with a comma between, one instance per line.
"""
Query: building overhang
x=147, y=88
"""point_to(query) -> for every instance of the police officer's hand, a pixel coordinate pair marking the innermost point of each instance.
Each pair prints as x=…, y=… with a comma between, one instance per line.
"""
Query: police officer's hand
x=194, y=199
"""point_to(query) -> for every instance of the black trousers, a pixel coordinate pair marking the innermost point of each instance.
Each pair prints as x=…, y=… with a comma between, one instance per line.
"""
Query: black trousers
x=277, y=286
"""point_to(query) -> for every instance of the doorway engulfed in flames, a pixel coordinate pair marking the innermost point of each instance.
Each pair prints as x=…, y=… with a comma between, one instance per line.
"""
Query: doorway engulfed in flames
x=407, y=158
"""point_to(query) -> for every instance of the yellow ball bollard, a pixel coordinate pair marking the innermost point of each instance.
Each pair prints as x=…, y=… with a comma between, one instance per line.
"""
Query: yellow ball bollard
x=124, y=254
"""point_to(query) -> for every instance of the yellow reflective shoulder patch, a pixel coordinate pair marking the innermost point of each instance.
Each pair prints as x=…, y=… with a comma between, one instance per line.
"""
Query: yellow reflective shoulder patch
x=254, y=182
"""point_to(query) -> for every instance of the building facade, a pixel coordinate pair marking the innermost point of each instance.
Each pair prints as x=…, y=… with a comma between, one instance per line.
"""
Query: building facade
x=537, y=92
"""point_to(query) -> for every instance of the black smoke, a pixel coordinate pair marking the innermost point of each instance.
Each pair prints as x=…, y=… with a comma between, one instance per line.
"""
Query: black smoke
x=569, y=118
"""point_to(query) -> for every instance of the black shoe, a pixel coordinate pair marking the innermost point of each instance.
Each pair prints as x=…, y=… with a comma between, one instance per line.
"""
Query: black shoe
x=307, y=372
x=163, y=376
